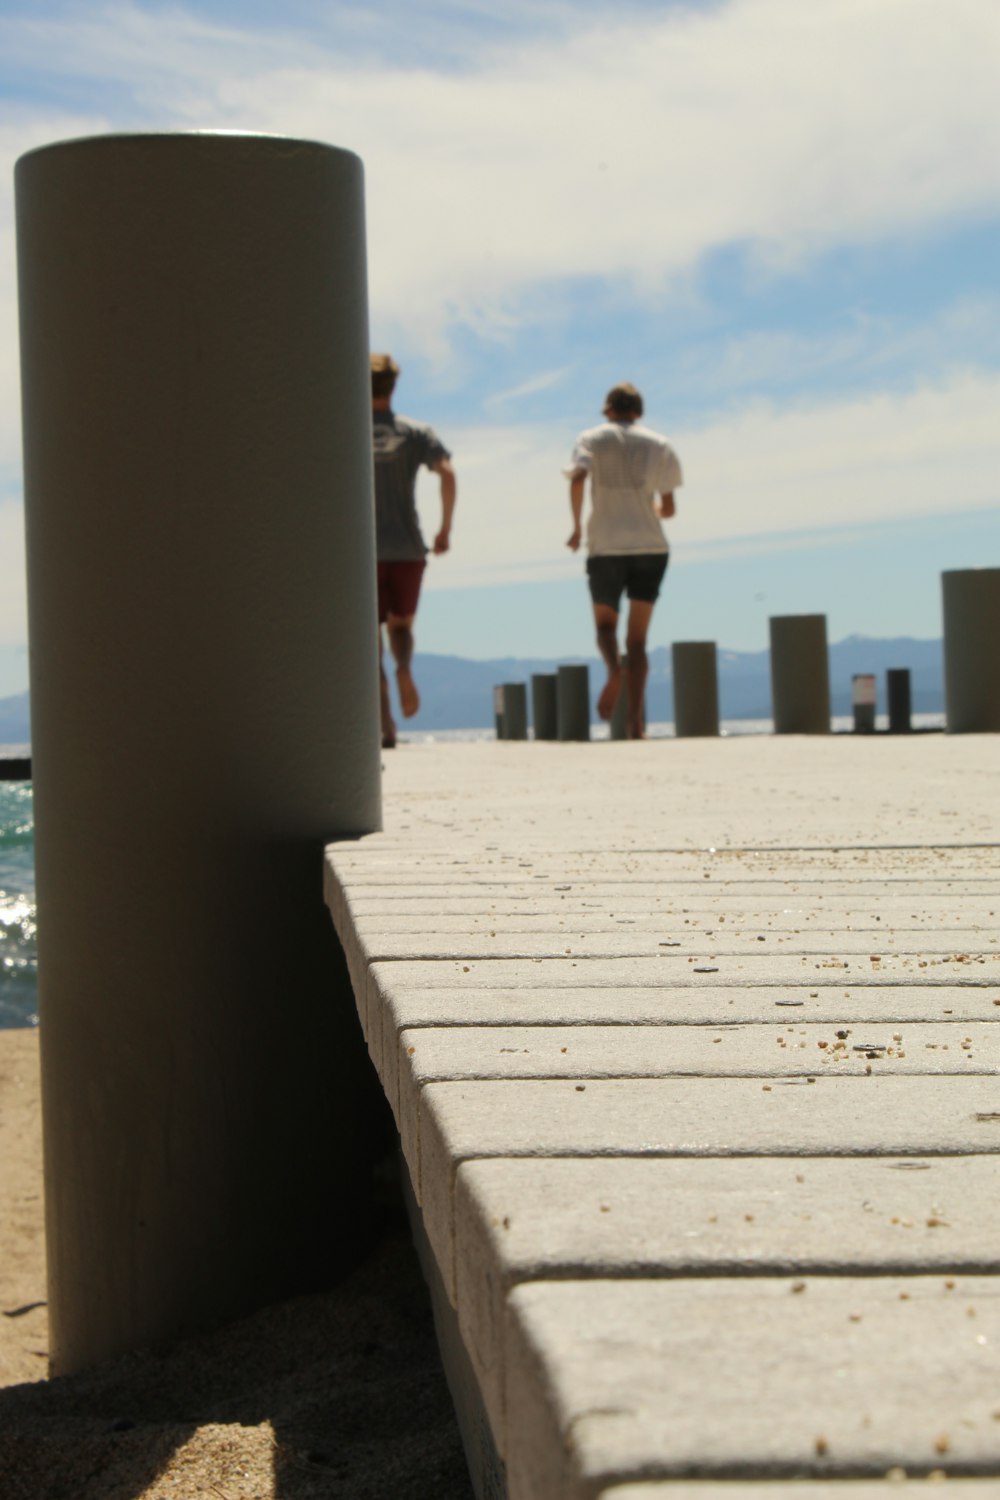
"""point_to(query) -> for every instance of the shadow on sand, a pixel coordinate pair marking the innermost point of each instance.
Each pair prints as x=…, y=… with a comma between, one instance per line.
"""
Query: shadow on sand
x=334, y=1395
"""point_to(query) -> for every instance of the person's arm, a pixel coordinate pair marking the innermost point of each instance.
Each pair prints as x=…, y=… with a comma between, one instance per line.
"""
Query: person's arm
x=667, y=506
x=449, y=494
x=577, y=486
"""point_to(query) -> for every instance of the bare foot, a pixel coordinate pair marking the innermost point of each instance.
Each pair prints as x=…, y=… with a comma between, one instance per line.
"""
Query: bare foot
x=609, y=694
x=636, y=732
x=409, y=698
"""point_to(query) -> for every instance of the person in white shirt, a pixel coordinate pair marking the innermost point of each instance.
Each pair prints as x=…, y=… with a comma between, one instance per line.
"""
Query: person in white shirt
x=633, y=475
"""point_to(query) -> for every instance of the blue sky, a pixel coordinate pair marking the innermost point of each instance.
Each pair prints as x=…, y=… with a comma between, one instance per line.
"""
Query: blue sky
x=778, y=218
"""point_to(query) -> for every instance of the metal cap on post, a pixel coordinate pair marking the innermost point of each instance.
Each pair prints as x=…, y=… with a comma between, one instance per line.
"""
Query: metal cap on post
x=800, y=674
x=971, y=600
x=573, y=702
x=498, y=714
x=515, y=711
x=204, y=684
x=897, y=692
x=696, y=689
x=543, y=706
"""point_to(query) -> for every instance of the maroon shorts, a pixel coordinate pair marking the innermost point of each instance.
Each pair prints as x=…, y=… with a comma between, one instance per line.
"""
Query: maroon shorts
x=399, y=588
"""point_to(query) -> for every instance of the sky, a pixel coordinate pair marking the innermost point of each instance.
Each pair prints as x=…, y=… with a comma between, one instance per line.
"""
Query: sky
x=779, y=218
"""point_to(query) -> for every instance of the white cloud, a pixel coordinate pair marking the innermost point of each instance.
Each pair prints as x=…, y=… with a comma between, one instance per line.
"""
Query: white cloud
x=764, y=479
x=13, y=595
x=622, y=147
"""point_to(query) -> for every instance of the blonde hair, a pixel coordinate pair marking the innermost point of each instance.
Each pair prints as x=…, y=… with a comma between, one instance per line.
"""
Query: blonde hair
x=385, y=373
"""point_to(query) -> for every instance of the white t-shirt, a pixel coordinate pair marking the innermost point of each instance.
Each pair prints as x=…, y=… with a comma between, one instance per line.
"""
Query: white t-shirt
x=628, y=466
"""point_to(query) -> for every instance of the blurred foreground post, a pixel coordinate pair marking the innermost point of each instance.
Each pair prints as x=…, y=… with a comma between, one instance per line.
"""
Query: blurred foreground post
x=696, y=688
x=800, y=674
x=971, y=599
x=205, y=716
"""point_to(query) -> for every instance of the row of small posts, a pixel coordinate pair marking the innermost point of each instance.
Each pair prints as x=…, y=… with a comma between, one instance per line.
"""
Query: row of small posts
x=800, y=678
x=560, y=705
x=560, y=700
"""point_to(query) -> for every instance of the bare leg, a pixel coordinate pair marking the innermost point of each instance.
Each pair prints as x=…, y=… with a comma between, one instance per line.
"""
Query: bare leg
x=388, y=722
x=606, y=620
x=637, y=665
x=401, y=646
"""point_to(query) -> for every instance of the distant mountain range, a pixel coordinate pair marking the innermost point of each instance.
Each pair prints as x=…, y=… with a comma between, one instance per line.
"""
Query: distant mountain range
x=457, y=693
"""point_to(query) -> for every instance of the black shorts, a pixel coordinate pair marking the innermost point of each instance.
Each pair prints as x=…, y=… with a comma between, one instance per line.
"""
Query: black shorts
x=636, y=574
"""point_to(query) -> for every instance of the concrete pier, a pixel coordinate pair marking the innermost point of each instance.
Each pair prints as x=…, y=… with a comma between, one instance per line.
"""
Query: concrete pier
x=692, y=1047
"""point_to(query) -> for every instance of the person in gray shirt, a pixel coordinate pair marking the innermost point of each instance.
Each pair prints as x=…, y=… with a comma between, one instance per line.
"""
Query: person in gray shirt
x=401, y=448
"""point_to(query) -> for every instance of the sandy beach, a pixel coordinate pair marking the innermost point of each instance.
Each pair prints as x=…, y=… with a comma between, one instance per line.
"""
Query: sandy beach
x=336, y=1395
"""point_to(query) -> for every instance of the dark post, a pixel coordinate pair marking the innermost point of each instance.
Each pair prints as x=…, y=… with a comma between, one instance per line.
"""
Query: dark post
x=515, y=711
x=971, y=598
x=573, y=702
x=897, y=691
x=800, y=674
x=543, y=706
x=696, y=688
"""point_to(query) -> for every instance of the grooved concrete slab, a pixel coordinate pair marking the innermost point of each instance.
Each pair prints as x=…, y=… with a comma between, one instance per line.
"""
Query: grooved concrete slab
x=585, y=1053
x=611, y=1380
x=894, y=1486
x=573, y=1219
x=701, y=967
x=688, y=1117
x=403, y=1009
x=618, y=1148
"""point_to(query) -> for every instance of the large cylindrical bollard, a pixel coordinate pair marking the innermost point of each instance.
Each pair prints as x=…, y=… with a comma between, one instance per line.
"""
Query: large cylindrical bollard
x=204, y=686
x=696, y=689
x=573, y=702
x=543, y=706
x=515, y=711
x=800, y=674
x=971, y=599
x=897, y=692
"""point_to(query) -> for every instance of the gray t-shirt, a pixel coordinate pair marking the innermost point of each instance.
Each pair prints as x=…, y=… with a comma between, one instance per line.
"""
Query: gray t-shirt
x=401, y=446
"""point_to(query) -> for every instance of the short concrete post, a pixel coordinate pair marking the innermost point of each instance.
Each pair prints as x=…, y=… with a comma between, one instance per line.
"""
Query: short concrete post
x=618, y=728
x=897, y=692
x=515, y=711
x=971, y=598
x=696, y=689
x=863, y=700
x=544, y=714
x=498, y=710
x=573, y=702
x=800, y=674
x=204, y=692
